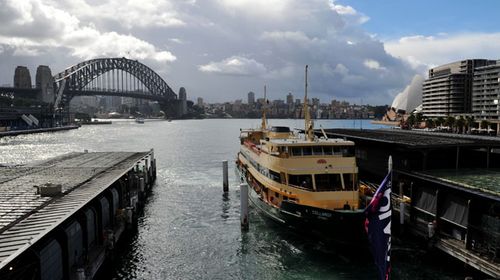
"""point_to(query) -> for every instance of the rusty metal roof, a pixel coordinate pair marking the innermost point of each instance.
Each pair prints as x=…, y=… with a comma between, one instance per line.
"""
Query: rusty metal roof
x=26, y=216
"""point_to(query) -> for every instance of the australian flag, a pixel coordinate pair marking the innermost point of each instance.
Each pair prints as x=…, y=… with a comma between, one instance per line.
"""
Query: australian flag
x=378, y=227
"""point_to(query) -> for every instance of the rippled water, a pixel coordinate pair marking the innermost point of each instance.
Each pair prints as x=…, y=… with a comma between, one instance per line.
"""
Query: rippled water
x=189, y=230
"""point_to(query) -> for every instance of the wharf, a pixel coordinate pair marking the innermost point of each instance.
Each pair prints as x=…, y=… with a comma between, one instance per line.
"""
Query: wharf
x=59, y=219
x=445, y=188
x=37, y=130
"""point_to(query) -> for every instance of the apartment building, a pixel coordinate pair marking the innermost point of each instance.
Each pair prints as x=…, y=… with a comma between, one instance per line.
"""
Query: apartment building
x=486, y=92
x=448, y=90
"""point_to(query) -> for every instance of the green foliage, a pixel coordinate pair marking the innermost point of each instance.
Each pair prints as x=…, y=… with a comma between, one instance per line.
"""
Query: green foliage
x=411, y=120
x=450, y=121
x=484, y=124
x=439, y=121
x=419, y=117
x=460, y=123
x=429, y=123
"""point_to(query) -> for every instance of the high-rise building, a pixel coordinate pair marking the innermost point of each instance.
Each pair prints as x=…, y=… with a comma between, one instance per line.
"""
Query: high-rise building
x=183, y=101
x=448, y=90
x=315, y=102
x=289, y=99
x=22, y=77
x=251, y=98
x=45, y=82
x=486, y=92
x=200, y=102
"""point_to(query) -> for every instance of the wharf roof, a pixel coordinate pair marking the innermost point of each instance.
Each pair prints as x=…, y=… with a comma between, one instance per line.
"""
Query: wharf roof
x=415, y=139
x=481, y=182
x=26, y=216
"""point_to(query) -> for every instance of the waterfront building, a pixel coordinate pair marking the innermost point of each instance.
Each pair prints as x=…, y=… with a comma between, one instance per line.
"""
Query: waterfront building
x=289, y=99
x=251, y=98
x=486, y=92
x=448, y=89
x=183, y=101
x=45, y=82
x=22, y=77
x=199, y=102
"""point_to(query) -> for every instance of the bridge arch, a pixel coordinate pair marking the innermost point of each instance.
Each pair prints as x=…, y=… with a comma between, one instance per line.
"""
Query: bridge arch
x=82, y=74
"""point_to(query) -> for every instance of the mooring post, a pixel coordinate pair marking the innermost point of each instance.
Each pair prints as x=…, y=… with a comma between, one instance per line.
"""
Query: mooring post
x=244, y=206
x=225, y=184
x=142, y=184
x=80, y=274
x=401, y=205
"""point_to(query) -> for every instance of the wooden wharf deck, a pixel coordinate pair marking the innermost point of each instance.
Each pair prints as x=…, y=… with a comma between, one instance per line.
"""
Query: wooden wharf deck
x=29, y=218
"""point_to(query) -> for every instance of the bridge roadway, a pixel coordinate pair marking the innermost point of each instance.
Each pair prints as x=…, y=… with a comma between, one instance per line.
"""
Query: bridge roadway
x=27, y=217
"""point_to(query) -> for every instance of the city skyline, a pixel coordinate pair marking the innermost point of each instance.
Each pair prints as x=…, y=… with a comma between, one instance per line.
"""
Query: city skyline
x=220, y=50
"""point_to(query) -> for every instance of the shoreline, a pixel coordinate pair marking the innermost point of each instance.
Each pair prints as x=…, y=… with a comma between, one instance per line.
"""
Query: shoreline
x=37, y=130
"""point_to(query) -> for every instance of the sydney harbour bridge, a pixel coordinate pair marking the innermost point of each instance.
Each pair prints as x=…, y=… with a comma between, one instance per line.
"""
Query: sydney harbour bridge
x=107, y=77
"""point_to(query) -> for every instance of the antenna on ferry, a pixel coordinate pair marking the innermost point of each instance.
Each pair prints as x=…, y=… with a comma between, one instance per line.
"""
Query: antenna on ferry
x=264, y=121
x=307, y=118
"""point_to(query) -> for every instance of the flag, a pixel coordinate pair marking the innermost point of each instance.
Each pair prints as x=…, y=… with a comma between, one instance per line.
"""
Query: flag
x=378, y=227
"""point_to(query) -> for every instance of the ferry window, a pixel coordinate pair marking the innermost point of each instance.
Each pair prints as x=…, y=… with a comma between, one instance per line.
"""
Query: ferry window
x=317, y=150
x=348, y=181
x=328, y=182
x=347, y=151
x=296, y=151
x=304, y=181
x=328, y=150
x=307, y=151
x=275, y=176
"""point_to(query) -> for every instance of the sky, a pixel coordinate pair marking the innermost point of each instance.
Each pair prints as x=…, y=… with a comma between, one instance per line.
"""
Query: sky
x=357, y=51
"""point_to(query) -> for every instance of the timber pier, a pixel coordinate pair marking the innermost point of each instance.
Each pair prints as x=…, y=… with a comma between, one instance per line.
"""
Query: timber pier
x=446, y=188
x=61, y=218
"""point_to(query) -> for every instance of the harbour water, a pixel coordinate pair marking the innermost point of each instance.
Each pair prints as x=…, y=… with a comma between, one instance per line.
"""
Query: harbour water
x=189, y=230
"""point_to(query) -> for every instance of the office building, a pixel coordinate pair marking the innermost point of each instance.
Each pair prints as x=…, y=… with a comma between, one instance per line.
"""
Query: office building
x=448, y=89
x=486, y=92
x=251, y=98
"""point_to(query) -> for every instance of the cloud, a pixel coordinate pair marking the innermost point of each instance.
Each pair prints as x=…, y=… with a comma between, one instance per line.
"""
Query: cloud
x=128, y=14
x=349, y=12
x=36, y=28
x=235, y=65
x=220, y=49
x=422, y=52
x=373, y=64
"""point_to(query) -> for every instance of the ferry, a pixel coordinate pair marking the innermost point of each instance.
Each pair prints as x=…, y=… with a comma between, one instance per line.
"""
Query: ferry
x=304, y=181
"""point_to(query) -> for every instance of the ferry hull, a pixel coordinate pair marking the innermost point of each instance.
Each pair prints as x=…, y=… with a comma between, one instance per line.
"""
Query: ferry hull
x=337, y=227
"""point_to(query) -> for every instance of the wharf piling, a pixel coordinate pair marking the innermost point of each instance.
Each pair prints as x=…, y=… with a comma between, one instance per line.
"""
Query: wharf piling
x=244, y=206
x=225, y=177
x=68, y=230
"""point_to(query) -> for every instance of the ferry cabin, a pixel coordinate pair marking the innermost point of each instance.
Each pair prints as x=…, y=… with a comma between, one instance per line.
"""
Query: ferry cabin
x=320, y=173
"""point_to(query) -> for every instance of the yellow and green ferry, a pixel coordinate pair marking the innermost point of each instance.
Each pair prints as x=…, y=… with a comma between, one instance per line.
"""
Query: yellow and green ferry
x=304, y=181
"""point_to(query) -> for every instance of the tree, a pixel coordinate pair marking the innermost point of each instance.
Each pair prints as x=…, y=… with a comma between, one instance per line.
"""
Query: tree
x=484, y=124
x=470, y=123
x=429, y=123
x=450, y=122
x=460, y=123
x=439, y=121
x=411, y=120
x=419, y=117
